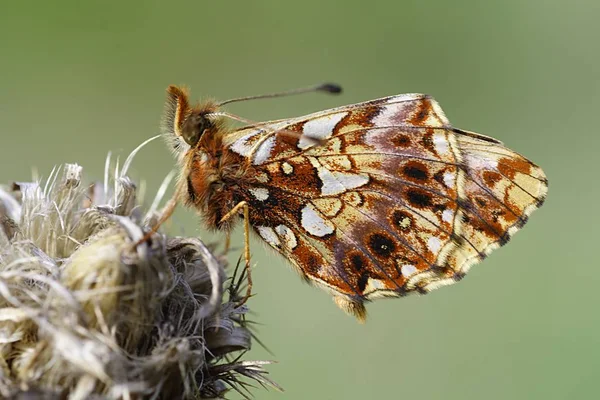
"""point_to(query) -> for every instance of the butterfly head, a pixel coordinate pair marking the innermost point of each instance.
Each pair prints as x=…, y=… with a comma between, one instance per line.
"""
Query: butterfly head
x=183, y=125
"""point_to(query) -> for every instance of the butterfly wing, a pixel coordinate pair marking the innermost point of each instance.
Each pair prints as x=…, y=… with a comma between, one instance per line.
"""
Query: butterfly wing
x=385, y=197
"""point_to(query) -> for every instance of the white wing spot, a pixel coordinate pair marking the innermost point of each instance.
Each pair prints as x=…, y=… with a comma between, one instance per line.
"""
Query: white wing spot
x=287, y=235
x=314, y=223
x=241, y=145
x=408, y=269
x=441, y=143
x=261, y=194
x=264, y=151
x=447, y=215
x=269, y=235
x=449, y=179
x=337, y=182
x=351, y=181
x=319, y=128
x=434, y=244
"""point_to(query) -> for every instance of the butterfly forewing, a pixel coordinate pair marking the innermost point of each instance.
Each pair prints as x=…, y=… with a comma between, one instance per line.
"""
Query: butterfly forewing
x=388, y=199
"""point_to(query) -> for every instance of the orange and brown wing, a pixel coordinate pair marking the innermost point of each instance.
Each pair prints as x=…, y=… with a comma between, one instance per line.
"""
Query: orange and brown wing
x=394, y=200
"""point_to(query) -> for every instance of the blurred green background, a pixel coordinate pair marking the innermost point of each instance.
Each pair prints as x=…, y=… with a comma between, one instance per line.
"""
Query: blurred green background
x=80, y=79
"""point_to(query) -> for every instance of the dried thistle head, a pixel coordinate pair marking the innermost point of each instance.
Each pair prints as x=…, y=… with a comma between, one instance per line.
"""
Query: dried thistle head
x=84, y=313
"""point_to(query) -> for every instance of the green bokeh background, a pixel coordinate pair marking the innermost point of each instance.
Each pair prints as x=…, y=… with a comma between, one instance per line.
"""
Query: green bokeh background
x=79, y=79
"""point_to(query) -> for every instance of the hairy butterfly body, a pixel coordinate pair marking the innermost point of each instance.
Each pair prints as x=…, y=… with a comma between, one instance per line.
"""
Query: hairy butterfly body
x=376, y=199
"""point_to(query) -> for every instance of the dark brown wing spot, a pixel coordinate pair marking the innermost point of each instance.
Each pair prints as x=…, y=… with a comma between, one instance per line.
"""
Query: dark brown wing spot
x=401, y=140
x=491, y=177
x=362, y=281
x=357, y=262
x=482, y=203
x=464, y=204
x=422, y=113
x=496, y=214
x=419, y=198
x=313, y=264
x=415, y=171
x=381, y=244
x=367, y=114
x=427, y=140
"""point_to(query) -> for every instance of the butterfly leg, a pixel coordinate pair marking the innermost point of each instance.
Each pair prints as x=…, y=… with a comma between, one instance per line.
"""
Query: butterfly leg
x=227, y=243
x=246, y=210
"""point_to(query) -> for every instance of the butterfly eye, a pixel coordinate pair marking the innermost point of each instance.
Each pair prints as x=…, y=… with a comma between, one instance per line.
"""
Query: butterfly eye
x=193, y=128
x=191, y=137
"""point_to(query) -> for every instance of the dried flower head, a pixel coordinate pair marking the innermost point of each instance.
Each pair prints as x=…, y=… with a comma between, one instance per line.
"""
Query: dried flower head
x=84, y=313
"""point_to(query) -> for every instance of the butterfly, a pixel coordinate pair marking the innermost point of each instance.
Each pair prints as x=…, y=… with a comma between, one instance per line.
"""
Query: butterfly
x=369, y=200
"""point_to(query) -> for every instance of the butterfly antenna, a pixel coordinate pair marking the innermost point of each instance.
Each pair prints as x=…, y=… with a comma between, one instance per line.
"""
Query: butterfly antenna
x=324, y=87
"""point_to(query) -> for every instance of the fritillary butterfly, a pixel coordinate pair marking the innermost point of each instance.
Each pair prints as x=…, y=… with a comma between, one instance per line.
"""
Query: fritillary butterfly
x=376, y=199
